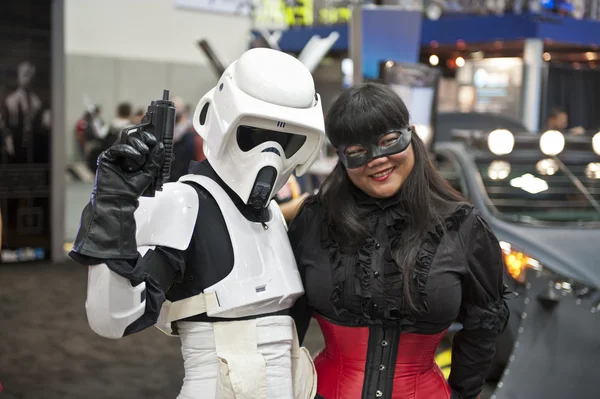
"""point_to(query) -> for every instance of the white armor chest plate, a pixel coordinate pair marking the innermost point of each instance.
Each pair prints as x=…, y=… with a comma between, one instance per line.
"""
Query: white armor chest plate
x=265, y=277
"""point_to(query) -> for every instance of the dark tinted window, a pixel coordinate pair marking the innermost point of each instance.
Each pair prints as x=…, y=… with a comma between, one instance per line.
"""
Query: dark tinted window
x=446, y=122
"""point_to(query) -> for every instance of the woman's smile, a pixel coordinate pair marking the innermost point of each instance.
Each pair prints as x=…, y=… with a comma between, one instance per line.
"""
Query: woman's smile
x=383, y=175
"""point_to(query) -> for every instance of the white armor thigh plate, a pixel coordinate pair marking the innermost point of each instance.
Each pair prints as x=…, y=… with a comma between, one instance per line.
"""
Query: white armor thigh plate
x=265, y=276
x=249, y=359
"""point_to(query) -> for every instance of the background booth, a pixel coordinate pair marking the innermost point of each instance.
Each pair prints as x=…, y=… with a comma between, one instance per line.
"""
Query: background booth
x=30, y=172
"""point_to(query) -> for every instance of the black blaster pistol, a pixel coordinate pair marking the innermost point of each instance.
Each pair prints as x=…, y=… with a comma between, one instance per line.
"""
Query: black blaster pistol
x=159, y=121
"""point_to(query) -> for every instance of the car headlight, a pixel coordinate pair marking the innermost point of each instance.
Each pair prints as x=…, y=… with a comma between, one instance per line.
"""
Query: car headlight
x=552, y=142
x=517, y=262
x=498, y=170
x=501, y=141
x=596, y=143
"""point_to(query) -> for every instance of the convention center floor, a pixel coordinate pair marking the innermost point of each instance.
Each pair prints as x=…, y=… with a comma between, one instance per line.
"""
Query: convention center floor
x=47, y=350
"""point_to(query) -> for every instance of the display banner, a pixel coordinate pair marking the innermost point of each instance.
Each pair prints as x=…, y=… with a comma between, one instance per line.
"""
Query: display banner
x=25, y=126
x=381, y=34
x=239, y=7
x=417, y=85
x=280, y=14
x=491, y=85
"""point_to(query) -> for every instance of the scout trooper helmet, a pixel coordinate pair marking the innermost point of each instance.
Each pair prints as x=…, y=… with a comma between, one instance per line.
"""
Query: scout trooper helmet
x=261, y=121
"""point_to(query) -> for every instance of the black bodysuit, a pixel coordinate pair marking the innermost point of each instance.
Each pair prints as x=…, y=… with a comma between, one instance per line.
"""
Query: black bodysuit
x=457, y=276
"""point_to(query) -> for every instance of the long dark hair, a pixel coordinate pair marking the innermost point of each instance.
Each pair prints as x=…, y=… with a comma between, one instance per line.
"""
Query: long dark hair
x=426, y=198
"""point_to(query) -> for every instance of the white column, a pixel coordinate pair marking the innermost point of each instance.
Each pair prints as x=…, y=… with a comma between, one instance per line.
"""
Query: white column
x=532, y=93
x=355, y=33
x=59, y=134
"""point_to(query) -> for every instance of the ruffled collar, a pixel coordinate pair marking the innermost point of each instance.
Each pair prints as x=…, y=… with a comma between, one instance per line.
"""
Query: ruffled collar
x=365, y=200
x=394, y=211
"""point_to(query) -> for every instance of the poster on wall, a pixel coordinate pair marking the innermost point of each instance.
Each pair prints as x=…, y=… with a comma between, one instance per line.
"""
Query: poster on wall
x=491, y=85
x=417, y=86
x=25, y=80
x=236, y=7
x=279, y=14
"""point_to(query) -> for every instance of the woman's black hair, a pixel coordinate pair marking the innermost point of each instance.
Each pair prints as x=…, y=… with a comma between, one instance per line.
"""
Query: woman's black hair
x=426, y=198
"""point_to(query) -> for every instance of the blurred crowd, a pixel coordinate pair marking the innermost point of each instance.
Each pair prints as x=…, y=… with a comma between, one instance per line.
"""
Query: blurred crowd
x=93, y=135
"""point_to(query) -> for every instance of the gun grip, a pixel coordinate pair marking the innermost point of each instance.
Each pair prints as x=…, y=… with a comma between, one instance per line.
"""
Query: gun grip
x=150, y=191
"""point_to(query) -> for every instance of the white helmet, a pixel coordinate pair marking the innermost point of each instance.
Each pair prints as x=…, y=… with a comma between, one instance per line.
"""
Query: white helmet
x=262, y=120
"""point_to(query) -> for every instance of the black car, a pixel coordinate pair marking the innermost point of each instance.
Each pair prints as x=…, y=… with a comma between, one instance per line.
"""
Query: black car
x=544, y=207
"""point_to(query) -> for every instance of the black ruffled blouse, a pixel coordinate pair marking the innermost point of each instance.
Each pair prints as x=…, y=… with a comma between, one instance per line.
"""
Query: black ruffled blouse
x=457, y=276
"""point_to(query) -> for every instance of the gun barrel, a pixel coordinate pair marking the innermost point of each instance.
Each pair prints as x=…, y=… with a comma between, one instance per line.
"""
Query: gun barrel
x=160, y=122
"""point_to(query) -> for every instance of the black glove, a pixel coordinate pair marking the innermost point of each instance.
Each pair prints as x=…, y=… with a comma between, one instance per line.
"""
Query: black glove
x=107, y=228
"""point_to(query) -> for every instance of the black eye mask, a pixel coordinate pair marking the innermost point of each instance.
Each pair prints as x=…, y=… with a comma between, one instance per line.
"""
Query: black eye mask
x=366, y=152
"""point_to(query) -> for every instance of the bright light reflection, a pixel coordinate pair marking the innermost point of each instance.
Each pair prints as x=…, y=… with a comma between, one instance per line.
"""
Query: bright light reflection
x=498, y=170
x=529, y=183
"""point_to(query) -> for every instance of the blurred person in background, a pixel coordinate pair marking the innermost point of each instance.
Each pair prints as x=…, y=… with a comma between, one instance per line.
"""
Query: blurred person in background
x=89, y=128
x=136, y=119
x=390, y=257
x=184, y=141
x=97, y=117
x=104, y=137
x=290, y=198
x=187, y=143
x=199, y=148
x=183, y=123
x=557, y=120
x=122, y=120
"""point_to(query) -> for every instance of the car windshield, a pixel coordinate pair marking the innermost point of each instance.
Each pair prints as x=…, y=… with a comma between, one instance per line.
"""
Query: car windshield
x=448, y=121
x=542, y=190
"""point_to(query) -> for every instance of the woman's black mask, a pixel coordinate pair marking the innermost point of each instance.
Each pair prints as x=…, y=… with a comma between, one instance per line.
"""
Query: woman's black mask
x=390, y=143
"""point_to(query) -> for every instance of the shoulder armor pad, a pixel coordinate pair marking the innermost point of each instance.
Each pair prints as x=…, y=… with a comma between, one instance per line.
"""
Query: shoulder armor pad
x=167, y=219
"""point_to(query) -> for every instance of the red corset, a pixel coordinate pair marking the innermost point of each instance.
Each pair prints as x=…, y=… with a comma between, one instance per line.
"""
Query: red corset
x=342, y=367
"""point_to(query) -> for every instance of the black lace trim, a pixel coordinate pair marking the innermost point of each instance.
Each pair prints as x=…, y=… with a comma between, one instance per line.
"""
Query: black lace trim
x=429, y=245
x=337, y=270
x=396, y=309
x=362, y=274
